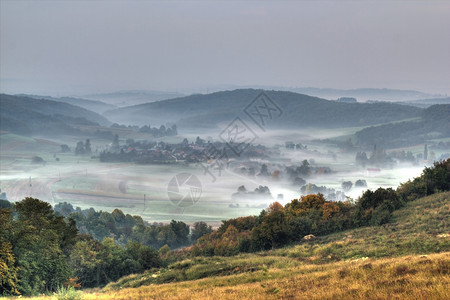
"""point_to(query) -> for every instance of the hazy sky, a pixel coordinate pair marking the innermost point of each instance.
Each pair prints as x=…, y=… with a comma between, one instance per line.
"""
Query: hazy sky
x=84, y=47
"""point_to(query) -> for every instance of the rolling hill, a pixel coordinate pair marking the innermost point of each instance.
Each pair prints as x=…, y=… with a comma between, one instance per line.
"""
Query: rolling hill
x=297, y=110
x=24, y=115
x=93, y=105
x=133, y=97
x=424, y=103
x=434, y=123
x=365, y=93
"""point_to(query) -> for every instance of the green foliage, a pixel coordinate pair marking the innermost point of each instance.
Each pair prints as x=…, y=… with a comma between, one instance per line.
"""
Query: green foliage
x=40, y=250
x=433, y=179
x=124, y=227
x=374, y=208
x=34, y=247
x=8, y=270
x=199, y=229
x=68, y=293
x=97, y=263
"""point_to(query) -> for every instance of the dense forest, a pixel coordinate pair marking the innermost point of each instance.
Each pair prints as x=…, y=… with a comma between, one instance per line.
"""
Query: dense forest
x=42, y=249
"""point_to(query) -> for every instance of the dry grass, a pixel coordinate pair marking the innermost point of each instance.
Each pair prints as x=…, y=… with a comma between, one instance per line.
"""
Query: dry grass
x=408, y=277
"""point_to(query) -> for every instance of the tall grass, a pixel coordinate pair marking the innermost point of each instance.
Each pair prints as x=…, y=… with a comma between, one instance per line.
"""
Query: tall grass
x=409, y=277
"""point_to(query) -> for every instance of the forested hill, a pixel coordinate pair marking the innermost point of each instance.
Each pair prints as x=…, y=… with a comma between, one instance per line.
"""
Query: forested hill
x=93, y=105
x=24, y=115
x=196, y=111
x=433, y=124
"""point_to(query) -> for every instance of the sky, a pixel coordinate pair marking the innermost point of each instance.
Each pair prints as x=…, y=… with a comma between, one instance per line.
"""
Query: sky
x=75, y=48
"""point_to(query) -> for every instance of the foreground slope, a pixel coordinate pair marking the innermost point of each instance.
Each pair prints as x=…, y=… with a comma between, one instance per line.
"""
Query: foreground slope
x=408, y=258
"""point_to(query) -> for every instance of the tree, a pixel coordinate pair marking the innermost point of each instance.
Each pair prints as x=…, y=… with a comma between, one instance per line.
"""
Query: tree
x=274, y=230
x=361, y=158
x=199, y=141
x=85, y=261
x=375, y=207
x=309, y=202
x=174, y=129
x=264, y=170
x=9, y=280
x=360, y=183
x=347, y=185
x=199, y=230
x=65, y=148
x=79, y=149
x=162, y=130
x=275, y=207
x=305, y=168
x=144, y=257
x=330, y=209
x=8, y=271
x=41, y=242
x=181, y=231
x=87, y=147
x=115, y=144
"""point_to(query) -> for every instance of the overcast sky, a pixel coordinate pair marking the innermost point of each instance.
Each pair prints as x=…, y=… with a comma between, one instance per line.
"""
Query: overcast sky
x=66, y=47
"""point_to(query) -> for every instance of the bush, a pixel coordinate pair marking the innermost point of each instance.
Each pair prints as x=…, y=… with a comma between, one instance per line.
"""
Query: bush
x=68, y=293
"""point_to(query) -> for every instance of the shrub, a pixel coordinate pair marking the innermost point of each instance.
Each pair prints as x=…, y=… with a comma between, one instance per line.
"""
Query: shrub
x=68, y=293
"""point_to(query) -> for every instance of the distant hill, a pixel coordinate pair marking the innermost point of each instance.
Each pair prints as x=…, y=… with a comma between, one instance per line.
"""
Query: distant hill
x=364, y=94
x=433, y=124
x=25, y=115
x=424, y=103
x=127, y=98
x=361, y=94
x=206, y=111
x=93, y=105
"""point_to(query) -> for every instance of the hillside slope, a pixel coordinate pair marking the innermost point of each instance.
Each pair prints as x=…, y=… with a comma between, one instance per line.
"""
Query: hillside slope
x=395, y=260
x=93, y=105
x=133, y=97
x=434, y=123
x=24, y=115
x=198, y=111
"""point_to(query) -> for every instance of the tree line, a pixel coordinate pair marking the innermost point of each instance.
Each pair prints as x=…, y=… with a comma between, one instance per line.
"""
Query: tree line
x=312, y=214
x=125, y=227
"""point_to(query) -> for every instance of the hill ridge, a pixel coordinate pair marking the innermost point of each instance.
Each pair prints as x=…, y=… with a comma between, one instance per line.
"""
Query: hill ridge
x=297, y=110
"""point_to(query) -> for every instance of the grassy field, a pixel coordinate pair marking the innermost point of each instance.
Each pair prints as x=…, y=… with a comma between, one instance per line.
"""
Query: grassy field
x=407, y=277
x=409, y=258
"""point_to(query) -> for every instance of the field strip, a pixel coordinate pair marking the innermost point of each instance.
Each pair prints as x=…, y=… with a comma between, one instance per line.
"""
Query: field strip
x=99, y=194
